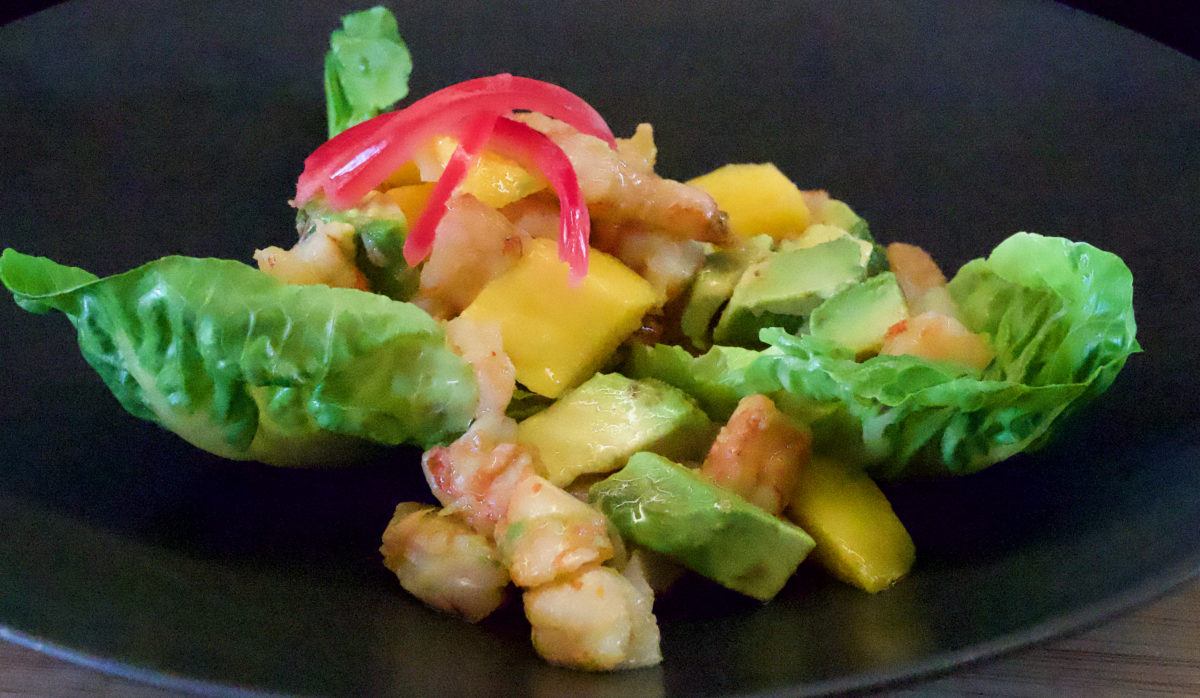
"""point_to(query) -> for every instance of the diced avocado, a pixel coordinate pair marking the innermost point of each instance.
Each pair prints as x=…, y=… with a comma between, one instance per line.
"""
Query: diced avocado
x=670, y=509
x=597, y=426
x=859, y=316
x=819, y=233
x=714, y=285
x=379, y=229
x=878, y=262
x=859, y=538
x=831, y=212
x=783, y=289
x=837, y=213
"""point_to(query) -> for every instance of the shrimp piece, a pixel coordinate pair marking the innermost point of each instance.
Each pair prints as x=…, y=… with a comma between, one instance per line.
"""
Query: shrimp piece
x=921, y=280
x=934, y=330
x=651, y=572
x=622, y=190
x=669, y=265
x=480, y=344
x=941, y=337
x=535, y=215
x=441, y=561
x=595, y=619
x=758, y=454
x=476, y=475
x=324, y=256
x=474, y=244
x=547, y=533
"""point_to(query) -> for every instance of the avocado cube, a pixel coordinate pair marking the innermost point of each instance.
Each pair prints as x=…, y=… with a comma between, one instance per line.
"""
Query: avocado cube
x=714, y=285
x=858, y=317
x=860, y=540
x=783, y=289
x=829, y=211
x=675, y=511
x=380, y=227
x=597, y=426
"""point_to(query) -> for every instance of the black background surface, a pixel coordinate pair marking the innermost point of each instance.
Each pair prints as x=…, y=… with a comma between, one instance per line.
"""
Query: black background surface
x=948, y=124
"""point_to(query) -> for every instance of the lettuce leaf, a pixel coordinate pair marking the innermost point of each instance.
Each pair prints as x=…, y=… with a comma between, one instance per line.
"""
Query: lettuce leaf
x=716, y=379
x=1060, y=318
x=366, y=68
x=249, y=368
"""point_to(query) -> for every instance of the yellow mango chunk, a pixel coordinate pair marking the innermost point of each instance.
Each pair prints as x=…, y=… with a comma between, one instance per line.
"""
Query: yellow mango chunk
x=411, y=199
x=408, y=173
x=558, y=335
x=759, y=199
x=496, y=181
x=859, y=538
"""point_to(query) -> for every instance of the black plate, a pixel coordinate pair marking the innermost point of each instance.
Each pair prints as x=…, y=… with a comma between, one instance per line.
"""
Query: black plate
x=137, y=129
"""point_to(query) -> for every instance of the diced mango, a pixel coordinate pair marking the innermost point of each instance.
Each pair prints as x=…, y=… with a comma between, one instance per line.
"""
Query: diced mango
x=494, y=180
x=859, y=538
x=411, y=199
x=759, y=199
x=408, y=173
x=557, y=335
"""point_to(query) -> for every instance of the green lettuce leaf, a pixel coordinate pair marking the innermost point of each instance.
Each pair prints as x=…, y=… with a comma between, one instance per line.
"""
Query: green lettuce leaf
x=366, y=68
x=716, y=379
x=249, y=368
x=1060, y=318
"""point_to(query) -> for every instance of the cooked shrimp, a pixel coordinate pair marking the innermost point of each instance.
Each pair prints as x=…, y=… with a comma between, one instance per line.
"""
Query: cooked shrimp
x=476, y=476
x=758, y=454
x=652, y=572
x=547, y=533
x=480, y=344
x=324, y=256
x=441, y=561
x=934, y=335
x=596, y=619
x=475, y=243
x=623, y=192
x=669, y=265
x=921, y=280
x=934, y=330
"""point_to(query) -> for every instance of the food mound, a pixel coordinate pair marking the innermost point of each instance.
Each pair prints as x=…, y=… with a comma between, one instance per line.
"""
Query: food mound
x=616, y=377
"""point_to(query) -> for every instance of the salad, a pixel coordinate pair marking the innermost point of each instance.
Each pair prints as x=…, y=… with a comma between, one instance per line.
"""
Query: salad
x=616, y=378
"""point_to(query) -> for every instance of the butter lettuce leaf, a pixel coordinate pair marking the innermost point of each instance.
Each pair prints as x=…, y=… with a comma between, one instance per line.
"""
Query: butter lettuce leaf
x=717, y=379
x=366, y=68
x=1060, y=318
x=249, y=368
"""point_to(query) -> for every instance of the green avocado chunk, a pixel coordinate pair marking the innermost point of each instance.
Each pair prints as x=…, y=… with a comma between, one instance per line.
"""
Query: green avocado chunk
x=783, y=289
x=673, y=510
x=596, y=427
x=859, y=316
x=379, y=231
x=838, y=213
x=714, y=285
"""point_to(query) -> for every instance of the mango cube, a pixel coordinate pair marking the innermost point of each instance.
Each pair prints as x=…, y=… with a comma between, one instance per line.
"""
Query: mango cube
x=759, y=199
x=557, y=335
x=859, y=538
x=411, y=199
x=494, y=180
